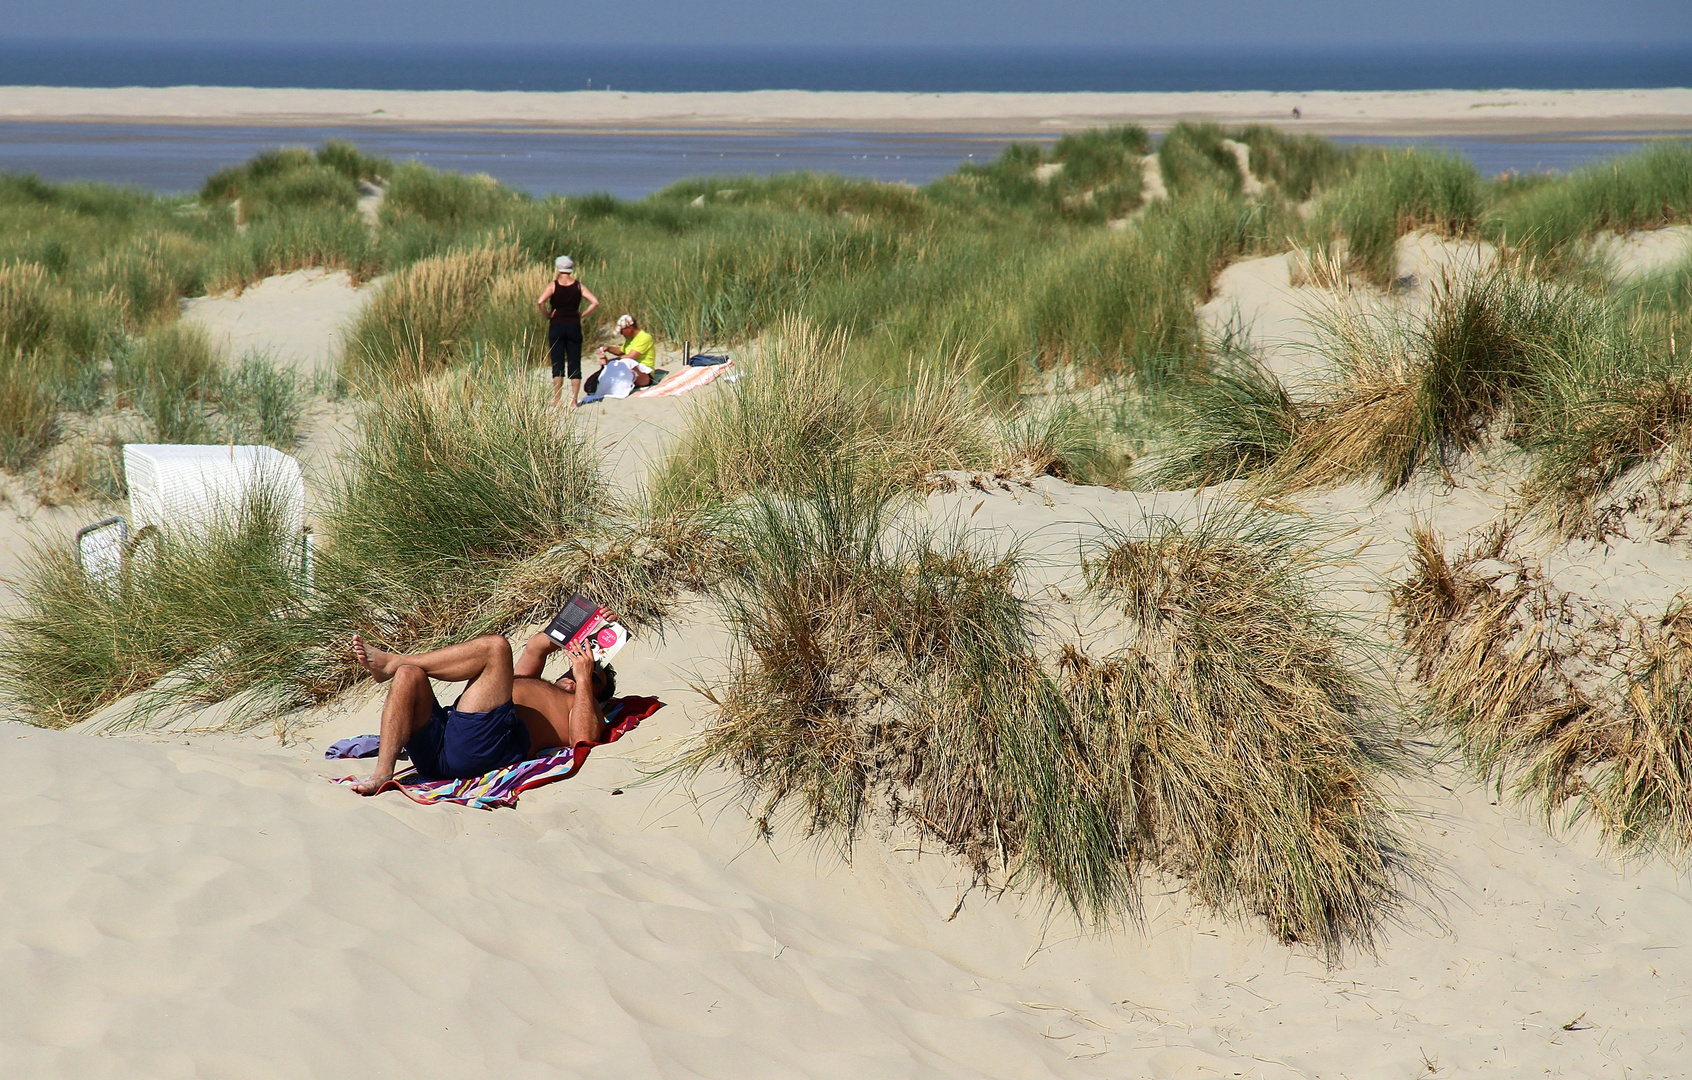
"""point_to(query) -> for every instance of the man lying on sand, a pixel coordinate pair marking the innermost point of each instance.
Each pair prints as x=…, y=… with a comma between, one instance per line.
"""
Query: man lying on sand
x=506, y=714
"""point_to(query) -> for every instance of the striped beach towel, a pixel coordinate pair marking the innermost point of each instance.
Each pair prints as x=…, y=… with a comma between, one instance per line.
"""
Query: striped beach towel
x=688, y=378
x=502, y=786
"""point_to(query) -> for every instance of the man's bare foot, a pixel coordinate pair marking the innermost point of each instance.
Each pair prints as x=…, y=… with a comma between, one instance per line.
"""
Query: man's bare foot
x=380, y=664
x=374, y=784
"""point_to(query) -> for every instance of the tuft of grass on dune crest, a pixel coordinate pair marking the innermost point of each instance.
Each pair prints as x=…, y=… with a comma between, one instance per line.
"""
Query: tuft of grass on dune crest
x=1101, y=177
x=1582, y=710
x=211, y=609
x=1228, y=423
x=1425, y=392
x=892, y=673
x=1091, y=176
x=1241, y=719
x=292, y=178
x=306, y=238
x=171, y=374
x=464, y=507
x=445, y=310
x=1126, y=301
x=1297, y=165
x=1623, y=404
x=296, y=210
x=1644, y=190
x=417, y=193
x=1390, y=193
x=1193, y=159
x=802, y=406
x=803, y=192
x=1415, y=391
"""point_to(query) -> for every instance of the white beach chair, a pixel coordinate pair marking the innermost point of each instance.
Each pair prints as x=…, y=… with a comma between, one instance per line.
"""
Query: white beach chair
x=184, y=489
x=101, y=549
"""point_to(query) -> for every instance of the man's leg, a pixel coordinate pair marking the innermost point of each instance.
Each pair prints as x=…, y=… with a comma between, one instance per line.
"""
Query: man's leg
x=484, y=662
x=407, y=709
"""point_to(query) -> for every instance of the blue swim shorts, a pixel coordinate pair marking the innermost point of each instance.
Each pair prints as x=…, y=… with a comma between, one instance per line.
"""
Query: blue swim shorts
x=454, y=745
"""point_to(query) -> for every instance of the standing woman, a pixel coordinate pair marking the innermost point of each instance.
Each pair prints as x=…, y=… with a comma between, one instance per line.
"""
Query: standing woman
x=561, y=305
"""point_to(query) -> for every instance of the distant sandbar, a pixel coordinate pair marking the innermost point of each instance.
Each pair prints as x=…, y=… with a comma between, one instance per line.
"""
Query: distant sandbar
x=1490, y=113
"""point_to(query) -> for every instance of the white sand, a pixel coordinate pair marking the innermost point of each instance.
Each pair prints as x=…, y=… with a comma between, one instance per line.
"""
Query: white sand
x=1637, y=254
x=1324, y=112
x=23, y=524
x=193, y=905
x=211, y=905
x=1256, y=298
x=296, y=320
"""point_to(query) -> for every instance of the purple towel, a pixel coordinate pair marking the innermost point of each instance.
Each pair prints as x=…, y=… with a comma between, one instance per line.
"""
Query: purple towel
x=363, y=746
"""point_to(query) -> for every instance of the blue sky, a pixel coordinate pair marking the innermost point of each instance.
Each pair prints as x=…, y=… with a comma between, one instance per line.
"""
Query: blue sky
x=1004, y=23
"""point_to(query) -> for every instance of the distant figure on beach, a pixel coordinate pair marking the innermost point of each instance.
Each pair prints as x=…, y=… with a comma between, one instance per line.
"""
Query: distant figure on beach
x=638, y=349
x=561, y=305
x=506, y=714
x=1296, y=112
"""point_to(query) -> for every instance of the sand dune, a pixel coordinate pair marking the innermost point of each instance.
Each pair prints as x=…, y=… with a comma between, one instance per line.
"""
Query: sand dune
x=207, y=904
x=1448, y=112
x=295, y=320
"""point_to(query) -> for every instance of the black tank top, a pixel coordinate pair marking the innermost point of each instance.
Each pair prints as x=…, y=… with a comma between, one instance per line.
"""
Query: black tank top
x=566, y=301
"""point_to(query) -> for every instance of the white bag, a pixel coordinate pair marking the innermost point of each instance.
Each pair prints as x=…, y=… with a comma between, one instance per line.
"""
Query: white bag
x=617, y=380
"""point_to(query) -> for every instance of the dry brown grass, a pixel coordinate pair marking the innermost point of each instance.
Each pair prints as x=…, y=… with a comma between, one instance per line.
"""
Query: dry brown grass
x=1319, y=267
x=801, y=406
x=1367, y=428
x=445, y=310
x=1586, y=710
x=1413, y=390
x=1255, y=742
x=891, y=673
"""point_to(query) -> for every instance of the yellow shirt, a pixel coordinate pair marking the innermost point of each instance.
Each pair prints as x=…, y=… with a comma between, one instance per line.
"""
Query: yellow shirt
x=642, y=344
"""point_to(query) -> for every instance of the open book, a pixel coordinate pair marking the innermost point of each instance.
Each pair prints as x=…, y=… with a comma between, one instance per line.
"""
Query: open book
x=584, y=620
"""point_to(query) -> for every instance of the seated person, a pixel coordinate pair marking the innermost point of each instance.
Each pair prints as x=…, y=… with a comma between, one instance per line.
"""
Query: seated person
x=506, y=714
x=638, y=349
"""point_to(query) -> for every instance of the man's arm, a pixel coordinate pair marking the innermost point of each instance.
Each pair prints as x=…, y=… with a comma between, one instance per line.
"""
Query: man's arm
x=541, y=303
x=533, y=661
x=586, y=717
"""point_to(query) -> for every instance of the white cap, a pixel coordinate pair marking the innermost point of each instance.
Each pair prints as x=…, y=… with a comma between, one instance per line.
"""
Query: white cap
x=565, y=264
x=624, y=320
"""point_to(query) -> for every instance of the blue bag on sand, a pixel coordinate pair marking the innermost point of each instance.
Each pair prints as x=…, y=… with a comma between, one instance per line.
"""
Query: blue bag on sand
x=707, y=359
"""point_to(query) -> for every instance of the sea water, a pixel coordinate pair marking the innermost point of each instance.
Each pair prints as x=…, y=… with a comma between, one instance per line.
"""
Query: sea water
x=582, y=65
x=177, y=157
